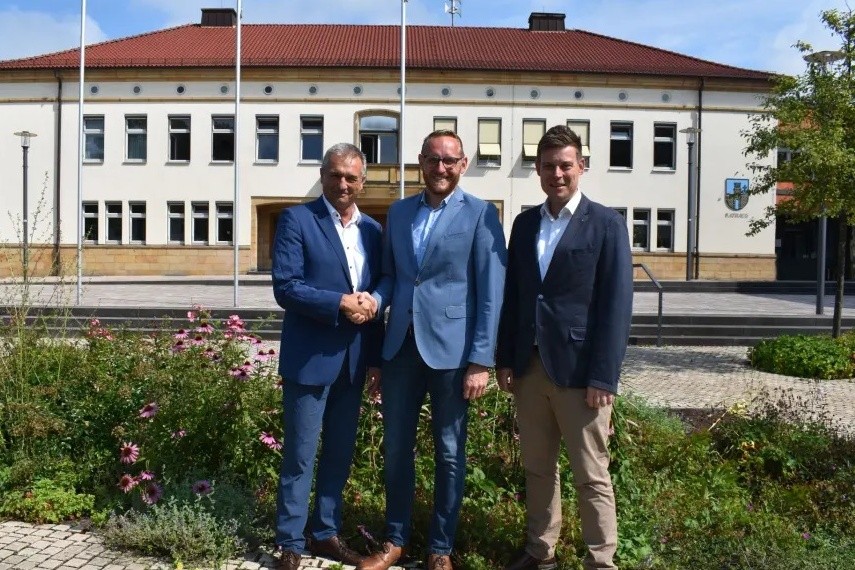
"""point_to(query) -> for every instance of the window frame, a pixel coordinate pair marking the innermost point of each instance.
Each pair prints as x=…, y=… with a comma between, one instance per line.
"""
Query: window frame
x=439, y=127
x=171, y=131
x=485, y=159
x=637, y=222
x=672, y=140
x=90, y=216
x=529, y=147
x=311, y=131
x=113, y=220
x=582, y=127
x=135, y=218
x=266, y=132
x=222, y=132
x=630, y=134
x=666, y=223
x=94, y=133
x=221, y=214
x=194, y=215
x=136, y=131
x=170, y=215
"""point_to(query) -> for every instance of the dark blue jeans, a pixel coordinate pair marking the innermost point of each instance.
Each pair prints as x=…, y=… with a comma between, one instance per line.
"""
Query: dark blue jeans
x=329, y=413
x=405, y=382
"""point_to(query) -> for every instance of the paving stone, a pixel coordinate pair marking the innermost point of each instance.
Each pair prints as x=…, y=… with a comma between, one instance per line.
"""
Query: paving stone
x=50, y=564
x=247, y=565
x=4, y=553
x=76, y=562
x=41, y=532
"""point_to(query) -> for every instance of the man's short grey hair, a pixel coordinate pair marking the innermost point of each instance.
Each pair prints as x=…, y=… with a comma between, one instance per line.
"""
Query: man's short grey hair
x=344, y=150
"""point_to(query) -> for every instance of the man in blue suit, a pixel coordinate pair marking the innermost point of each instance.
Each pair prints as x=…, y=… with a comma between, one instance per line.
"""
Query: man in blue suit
x=325, y=253
x=562, y=338
x=444, y=262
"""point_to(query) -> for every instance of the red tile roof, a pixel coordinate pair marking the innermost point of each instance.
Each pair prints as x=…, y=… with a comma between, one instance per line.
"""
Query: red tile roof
x=428, y=47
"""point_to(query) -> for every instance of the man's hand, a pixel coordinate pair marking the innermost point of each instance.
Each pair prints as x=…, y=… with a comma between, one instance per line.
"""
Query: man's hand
x=597, y=398
x=358, y=307
x=505, y=378
x=373, y=384
x=475, y=381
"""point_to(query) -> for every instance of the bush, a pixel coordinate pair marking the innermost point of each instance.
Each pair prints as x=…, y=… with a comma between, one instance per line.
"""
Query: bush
x=819, y=357
x=46, y=501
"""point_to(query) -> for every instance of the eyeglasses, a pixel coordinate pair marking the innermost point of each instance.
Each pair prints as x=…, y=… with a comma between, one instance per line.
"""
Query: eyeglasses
x=447, y=161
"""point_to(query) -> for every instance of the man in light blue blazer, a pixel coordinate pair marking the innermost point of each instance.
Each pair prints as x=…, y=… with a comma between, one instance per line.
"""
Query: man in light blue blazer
x=444, y=260
x=326, y=252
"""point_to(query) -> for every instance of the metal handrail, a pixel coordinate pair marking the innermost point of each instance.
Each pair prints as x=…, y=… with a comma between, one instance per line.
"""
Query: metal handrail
x=659, y=290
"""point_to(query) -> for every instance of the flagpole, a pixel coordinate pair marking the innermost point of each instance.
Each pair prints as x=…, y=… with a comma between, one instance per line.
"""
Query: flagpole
x=236, y=206
x=403, y=89
x=80, y=151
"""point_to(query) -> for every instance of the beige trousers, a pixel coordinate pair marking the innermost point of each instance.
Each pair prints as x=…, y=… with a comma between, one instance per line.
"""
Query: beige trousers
x=546, y=413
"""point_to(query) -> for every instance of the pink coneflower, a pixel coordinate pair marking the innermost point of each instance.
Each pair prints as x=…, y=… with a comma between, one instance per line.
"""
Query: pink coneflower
x=94, y=323
x=211, y=354
x=129, y=452
x=127, y=482
x=181, y=334
x=151, y=494
x=265, y=355
x=146, y=476
x=270, y=441
x=205, y=327
x=192, y=316
x=149, y=410
x=198, y=340
x=178, y=434
x=239, y=373
x=202, y=487
x=235, y=324
x=179, y=346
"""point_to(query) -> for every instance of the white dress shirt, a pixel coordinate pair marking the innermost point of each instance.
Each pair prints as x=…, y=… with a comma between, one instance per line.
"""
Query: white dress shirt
x=551, y=230
x=351, y=241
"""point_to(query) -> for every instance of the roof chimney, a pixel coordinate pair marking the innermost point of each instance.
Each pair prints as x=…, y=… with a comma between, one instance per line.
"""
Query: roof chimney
x=546, y=22
x=219, y=17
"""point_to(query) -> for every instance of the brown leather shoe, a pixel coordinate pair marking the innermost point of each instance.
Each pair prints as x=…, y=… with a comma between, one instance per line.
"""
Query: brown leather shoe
x=525, y=561
x=384, y=559
x=287, y=560
x=439, y=562
x=336, y=549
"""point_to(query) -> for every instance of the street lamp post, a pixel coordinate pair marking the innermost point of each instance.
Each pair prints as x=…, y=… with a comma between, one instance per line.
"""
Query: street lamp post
x=691, y=133
x=822, y=58
x=25, y=148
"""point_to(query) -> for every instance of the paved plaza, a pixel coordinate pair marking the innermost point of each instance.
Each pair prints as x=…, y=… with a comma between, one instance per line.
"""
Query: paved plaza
x=674, y=377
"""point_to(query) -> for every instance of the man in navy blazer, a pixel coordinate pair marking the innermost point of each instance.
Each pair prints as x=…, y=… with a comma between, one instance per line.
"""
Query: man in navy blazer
x=444, y=262
x=562, y=338
x=325, y=253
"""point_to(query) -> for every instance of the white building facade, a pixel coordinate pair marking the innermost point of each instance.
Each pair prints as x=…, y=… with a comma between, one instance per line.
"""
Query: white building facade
x=159, y=138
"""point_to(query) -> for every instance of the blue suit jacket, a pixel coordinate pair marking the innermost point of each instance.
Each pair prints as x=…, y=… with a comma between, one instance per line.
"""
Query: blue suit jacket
x=580, y=312
x=453, y=299
x=309, y=277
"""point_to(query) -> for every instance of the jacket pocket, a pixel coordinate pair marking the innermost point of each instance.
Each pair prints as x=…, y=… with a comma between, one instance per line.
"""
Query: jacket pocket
x=456, y=235
x=455, y=311
x=577, y=333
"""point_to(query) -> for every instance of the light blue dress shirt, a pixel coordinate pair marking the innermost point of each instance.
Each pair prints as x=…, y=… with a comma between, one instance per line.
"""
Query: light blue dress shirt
x=423, y=224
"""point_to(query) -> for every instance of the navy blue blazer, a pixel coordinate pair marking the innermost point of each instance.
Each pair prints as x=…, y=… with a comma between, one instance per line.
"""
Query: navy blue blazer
x=309, y=277
x=580, y=312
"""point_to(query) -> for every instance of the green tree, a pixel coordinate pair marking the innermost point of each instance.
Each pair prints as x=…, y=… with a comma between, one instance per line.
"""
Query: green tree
x=813, y=115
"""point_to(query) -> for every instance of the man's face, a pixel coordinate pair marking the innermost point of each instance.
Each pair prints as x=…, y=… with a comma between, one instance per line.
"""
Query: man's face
x=559, y=170
x=442, y=163
x=342, y=180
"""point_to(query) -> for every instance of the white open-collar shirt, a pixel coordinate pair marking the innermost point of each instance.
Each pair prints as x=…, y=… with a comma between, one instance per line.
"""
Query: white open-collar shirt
x=351, y=241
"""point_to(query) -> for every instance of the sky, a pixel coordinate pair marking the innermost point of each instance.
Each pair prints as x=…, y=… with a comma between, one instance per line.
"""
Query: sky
x=754, y=34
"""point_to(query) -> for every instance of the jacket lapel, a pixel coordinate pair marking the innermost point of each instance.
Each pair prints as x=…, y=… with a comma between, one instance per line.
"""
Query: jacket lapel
x=530, y=234
x=452, y=208
x=371, y=259
x=327, y=225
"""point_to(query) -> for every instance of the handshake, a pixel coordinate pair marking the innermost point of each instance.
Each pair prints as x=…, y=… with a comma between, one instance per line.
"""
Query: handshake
x=359, y=307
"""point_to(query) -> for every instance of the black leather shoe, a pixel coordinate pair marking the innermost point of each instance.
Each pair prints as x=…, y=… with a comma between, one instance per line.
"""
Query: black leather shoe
x=287, y=560
x=336, y=549
x=525, y=561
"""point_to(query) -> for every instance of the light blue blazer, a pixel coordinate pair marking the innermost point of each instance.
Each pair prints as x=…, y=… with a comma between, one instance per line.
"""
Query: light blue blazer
x=453, y=300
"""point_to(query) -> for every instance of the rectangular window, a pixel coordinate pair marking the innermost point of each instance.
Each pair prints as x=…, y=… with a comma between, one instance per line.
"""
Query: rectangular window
x=179, y=139
x=445, y=124
x=267, y=139
x=583, y=129
x=137, y=210
x=641, y=230
x=90, y=222
x=93, y=134
x=201, y=212
x=489, y=142
x=311, y=139
x=621, y=211
x=620, y=146
x=785, y=155
x=175, y=213
x=664, y=145
x=225, y=222
x=136, y=138
x=222, y=139
x=533, y=129
x=665, y=230
x=114, y=221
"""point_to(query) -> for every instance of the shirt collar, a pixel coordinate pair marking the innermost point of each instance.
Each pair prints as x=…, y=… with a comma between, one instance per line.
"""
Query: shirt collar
x=357, y=215
x=423, y=200
x=567, y=211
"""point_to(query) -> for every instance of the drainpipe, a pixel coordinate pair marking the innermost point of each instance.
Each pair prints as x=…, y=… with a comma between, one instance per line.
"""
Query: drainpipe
x=56, y=260
x=700, y=155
